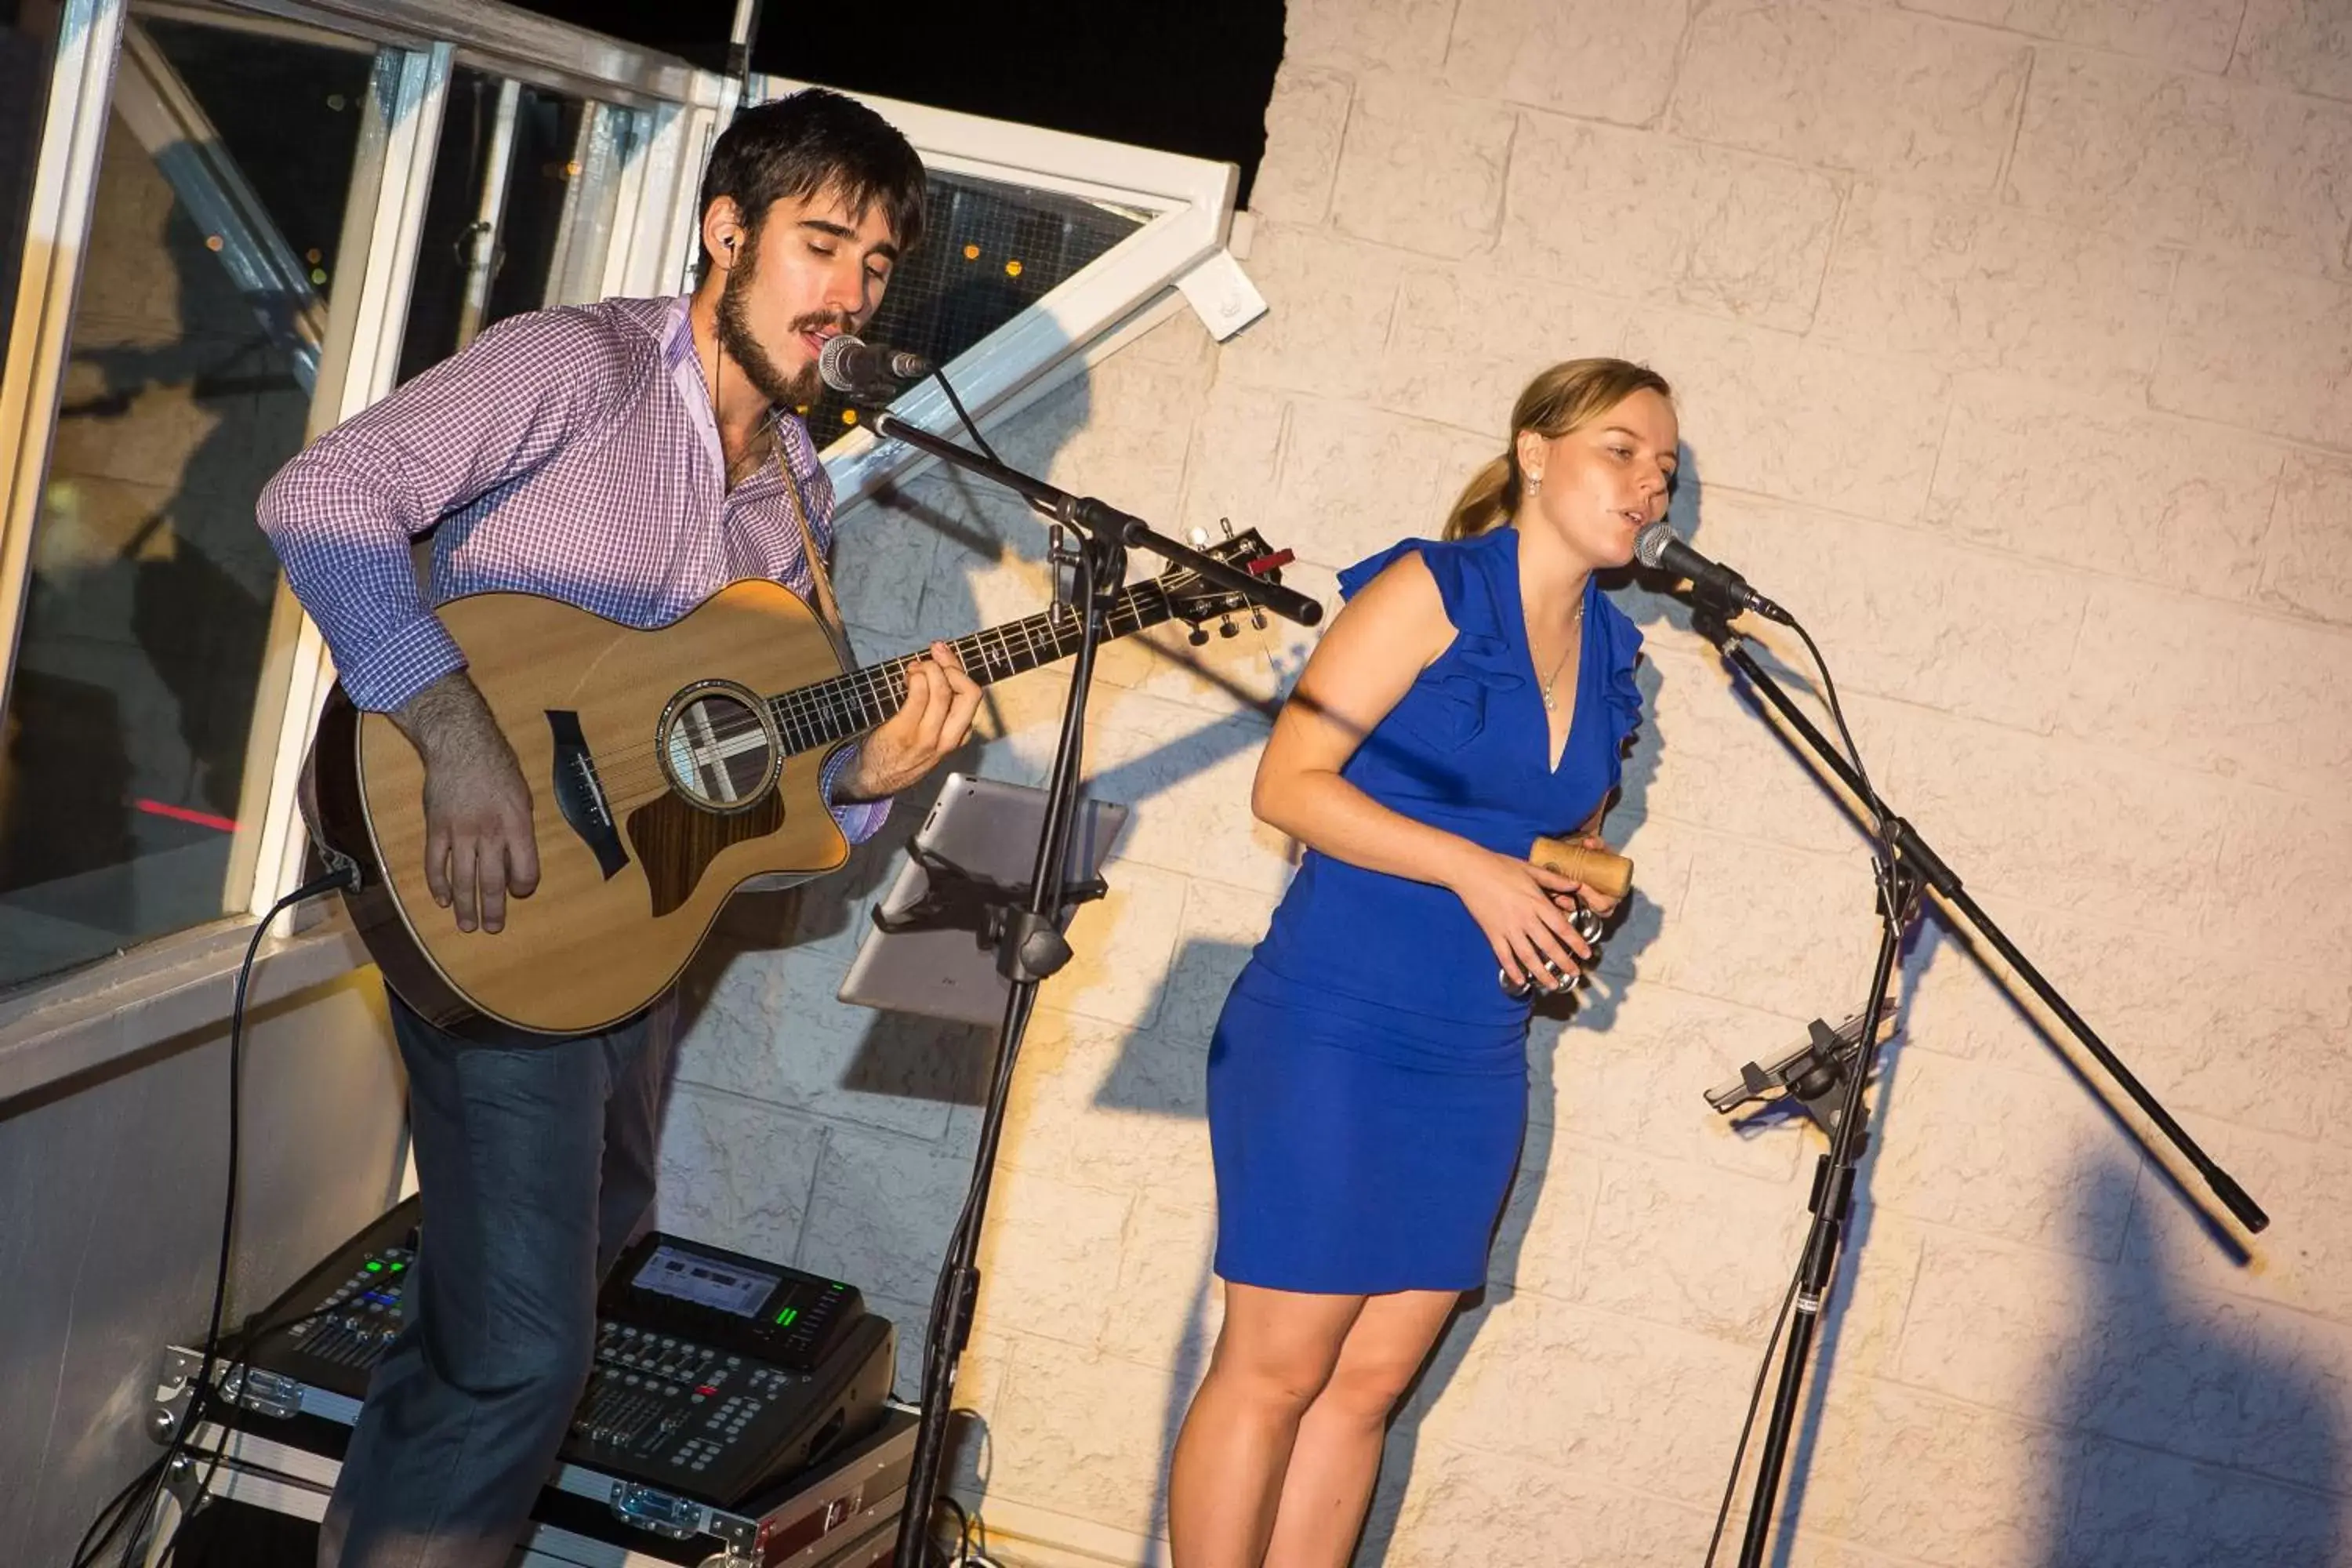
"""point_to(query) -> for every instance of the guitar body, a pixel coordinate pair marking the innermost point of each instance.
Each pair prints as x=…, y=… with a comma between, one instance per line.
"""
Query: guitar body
x=657, y=790
x=666, y=768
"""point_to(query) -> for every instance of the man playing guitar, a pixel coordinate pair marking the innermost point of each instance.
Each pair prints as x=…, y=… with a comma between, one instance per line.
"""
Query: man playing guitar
x=631, y=457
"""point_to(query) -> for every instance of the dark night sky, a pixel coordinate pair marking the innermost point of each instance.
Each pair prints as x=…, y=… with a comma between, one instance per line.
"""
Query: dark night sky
x=1186, y=76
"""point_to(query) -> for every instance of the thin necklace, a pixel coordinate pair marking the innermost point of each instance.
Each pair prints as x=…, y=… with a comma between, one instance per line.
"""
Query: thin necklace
x=1575, y=625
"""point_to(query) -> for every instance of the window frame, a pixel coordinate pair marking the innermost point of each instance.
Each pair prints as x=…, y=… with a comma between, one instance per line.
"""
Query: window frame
x=56, y=234
x=1193, y=199
x=668, y=112
x=648, y=245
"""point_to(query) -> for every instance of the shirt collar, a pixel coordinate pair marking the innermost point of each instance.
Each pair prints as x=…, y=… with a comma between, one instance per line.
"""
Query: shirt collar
x=795, y=444
x=677, y=331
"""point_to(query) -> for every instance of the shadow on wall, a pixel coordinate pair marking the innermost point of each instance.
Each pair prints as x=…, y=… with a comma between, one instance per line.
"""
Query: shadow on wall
x=2206, y=1435
x=944, y=526
x=1921, y=941
x=2192, y=1441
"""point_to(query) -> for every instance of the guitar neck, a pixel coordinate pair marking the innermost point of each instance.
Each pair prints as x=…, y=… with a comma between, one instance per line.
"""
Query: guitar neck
x=848, y=706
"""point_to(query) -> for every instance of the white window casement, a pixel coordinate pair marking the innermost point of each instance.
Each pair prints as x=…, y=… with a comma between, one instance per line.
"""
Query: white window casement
x=1175, y=217
x=174, y=337
x=1046, y=252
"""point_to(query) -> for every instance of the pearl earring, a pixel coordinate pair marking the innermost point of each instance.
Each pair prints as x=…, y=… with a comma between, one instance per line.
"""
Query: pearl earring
x=1535, y=483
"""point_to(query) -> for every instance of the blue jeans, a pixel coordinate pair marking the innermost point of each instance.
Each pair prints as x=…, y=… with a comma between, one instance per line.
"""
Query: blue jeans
x=535, y=1160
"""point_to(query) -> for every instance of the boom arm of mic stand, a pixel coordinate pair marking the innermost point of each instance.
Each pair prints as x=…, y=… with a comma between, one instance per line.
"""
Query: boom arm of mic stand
x=1094, y=517
x=1931, y=868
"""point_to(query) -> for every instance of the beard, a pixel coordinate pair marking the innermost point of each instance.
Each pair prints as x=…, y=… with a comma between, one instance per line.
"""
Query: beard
x=796, y=391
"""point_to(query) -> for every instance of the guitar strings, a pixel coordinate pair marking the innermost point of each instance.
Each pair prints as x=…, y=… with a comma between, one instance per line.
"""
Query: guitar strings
x=819, y=713
x=826, y=711
x=815, y=715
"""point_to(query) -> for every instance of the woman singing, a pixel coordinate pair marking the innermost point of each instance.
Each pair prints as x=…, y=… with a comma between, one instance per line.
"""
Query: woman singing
x=1367, y=1078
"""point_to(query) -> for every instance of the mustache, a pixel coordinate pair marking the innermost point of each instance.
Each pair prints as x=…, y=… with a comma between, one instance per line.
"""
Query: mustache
x=817, y=321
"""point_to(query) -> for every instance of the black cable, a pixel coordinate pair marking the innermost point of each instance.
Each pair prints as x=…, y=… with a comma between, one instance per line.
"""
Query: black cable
x=202, y=1384
x=963, y=1529
x=970, y=428
x=1882, y=831
x=935, y=1337
x=1755, y=1399
x=255, y=1329
x=1881, y=835
x=88, y=1550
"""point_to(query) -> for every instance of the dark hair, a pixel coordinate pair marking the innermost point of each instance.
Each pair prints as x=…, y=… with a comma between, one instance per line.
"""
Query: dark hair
x=810, y=142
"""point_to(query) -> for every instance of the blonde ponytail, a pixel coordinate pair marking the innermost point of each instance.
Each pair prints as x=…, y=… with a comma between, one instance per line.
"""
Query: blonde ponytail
x=1567, y=395
x=1492, y=495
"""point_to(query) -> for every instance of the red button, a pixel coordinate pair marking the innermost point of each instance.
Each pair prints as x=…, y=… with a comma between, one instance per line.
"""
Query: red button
x=707, y=1388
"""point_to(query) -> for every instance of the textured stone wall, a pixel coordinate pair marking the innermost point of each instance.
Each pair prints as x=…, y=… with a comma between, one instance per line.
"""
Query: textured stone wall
x=2014, y=346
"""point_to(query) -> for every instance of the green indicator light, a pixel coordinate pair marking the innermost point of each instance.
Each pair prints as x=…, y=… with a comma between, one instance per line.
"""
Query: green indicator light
x=398, y=1267
x=374, y=1267
x=784, y=1319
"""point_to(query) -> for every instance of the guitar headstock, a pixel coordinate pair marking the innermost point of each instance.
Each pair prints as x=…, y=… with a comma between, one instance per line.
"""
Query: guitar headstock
x=1193, y=598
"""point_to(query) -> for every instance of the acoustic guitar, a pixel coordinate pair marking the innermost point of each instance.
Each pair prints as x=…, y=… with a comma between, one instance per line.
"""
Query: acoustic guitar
x=667, y=767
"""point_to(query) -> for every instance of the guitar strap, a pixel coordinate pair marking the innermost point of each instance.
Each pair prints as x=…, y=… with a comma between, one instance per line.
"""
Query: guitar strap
x=763, y=919
x=828, y=608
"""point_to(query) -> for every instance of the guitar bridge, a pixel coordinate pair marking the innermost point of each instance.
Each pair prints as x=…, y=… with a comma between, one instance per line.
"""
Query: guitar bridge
x=580, y=794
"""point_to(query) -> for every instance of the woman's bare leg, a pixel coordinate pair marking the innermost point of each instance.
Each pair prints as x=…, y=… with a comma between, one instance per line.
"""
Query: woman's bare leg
x=1274, y=1356
x=1335, y=1456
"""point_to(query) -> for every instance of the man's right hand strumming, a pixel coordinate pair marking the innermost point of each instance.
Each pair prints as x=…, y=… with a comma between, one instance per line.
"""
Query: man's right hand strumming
x=478, y=844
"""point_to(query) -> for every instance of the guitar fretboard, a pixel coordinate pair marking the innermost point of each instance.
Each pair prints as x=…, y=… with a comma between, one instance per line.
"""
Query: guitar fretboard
x=849, y=705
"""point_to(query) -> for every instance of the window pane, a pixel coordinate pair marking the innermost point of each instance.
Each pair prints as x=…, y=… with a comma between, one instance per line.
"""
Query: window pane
x=455, y=250
x=610, y=137
x=220, y=197
x=507, y=164
x=990, y=252
x=547, y=160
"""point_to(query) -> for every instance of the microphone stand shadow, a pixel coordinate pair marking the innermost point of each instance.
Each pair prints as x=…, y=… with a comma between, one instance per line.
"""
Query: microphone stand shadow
x=1906, y=867
x=1029, y=942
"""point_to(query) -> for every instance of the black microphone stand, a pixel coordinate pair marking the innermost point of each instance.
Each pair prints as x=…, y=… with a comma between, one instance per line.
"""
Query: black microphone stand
x=1911, y=867
x=1030, y=946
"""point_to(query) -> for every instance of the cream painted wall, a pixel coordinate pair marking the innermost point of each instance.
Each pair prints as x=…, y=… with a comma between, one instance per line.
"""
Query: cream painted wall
x=2014, y=342
x=110, y=1187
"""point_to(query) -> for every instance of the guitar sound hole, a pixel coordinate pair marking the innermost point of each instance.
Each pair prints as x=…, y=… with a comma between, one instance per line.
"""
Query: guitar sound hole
x=720, y=747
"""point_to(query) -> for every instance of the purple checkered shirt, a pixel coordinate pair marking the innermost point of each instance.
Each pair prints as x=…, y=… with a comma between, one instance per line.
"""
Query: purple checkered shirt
x=570, y=453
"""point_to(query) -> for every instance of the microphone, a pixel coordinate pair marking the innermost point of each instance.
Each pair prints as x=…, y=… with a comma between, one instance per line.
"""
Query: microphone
x=852, y=365
x=1658, y=546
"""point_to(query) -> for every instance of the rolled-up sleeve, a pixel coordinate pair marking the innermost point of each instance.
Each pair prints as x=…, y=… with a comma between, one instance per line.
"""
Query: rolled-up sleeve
x=860, y=819
x=342, y=513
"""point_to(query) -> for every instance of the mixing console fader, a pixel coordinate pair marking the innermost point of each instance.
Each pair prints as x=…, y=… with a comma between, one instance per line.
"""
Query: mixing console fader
x=715, y=1373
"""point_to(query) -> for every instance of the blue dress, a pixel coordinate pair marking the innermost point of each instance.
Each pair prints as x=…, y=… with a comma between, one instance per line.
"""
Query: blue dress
x=1367, y=1078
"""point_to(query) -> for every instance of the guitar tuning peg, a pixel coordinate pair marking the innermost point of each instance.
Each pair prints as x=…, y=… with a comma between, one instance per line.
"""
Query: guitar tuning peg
x=1258, y=617
x=1199, y=538
x=1226, y=628
x=1197, y=636
x=1227, y=524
